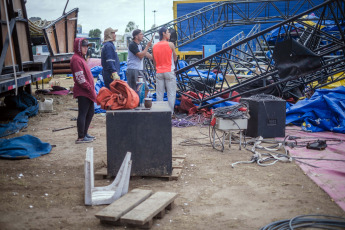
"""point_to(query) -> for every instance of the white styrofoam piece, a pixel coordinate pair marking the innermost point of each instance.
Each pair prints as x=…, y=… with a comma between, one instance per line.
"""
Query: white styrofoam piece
x=107, y=194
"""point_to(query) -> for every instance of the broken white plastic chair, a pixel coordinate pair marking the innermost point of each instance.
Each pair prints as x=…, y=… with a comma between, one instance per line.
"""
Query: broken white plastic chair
x=110, y=193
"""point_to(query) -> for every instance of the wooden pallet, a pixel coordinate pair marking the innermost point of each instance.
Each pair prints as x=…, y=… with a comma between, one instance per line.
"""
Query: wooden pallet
x=137, y=208
x=112, y=213
x=177, y=166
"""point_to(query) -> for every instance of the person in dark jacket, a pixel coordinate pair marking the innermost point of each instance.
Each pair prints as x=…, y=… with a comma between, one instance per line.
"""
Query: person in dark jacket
x=109, y=58
x=84, y=90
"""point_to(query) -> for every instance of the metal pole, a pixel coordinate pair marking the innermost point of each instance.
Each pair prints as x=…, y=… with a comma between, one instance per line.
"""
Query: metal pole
x=11, y=48
x=144, y=15
x=64, y=11
x=154, y=17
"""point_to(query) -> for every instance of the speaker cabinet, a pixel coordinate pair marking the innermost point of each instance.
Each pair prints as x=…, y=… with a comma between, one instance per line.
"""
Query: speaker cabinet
x=147, y=134
x=267, y=116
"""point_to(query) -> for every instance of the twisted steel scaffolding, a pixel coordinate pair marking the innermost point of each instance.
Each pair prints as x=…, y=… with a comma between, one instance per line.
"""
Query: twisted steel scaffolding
x=238, y=37
x=196, y=24
x=193, y=25
x=305, y=55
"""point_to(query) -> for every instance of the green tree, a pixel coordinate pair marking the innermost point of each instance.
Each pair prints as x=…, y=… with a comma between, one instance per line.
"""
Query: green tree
x=96, y=33
x=131, y=26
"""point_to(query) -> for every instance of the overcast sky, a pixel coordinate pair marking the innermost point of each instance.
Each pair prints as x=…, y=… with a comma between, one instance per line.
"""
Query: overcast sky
x=102, y=14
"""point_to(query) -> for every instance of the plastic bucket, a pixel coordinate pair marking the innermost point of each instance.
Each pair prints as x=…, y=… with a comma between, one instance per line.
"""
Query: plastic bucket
x=46, y=105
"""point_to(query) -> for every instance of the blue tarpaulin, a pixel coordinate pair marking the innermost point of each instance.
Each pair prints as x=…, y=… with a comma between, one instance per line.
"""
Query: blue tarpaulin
x=222, y=104
x=205, y=74
x=99, y=84
x=24, y=147
x=23, y=101
x=193, y=72
x=123, y=71
x=96, y=70
x=324, y=111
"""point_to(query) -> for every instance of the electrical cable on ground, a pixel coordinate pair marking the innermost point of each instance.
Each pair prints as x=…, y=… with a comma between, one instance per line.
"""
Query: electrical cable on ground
x=261, y=158
x=305, y=221
x=271, y=155
x=301, y=144
x=195, y=141
x=188, y=121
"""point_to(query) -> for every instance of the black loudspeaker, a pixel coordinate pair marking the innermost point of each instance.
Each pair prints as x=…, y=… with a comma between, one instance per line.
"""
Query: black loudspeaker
x=292, y=59
x=147, y=134
x=267, y=116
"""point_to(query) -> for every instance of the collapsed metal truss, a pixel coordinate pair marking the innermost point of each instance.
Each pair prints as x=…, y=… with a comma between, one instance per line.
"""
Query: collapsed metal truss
x=198, y=23
x=255, y=71
x=238, y=37
x=191, y=26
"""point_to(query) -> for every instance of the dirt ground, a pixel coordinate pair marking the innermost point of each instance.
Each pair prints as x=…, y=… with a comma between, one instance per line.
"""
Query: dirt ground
x=48, y=192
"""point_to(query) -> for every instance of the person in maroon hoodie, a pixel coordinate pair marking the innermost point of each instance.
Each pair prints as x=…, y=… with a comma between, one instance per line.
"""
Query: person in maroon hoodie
x=84, y=90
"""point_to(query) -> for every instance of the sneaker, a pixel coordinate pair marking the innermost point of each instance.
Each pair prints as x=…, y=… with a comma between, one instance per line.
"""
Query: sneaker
x=89, y=136
x=84, y=140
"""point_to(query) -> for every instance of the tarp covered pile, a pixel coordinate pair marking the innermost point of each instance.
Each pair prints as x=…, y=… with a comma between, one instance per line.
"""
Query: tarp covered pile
x=25, y=102
x=24, y=147
x=324, y=111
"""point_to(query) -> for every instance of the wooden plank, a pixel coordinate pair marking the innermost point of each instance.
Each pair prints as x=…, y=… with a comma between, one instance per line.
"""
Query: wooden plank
x=123, y=205
x=61, y=65
x=51, y=39
x=170, y=206
x=148, y=209
x=61, y=35
x=23, y=41
x=2, y=12
x=175, y=174
x=177, y=163
x=71, y=30
x=62, y=71
x=179, y=156
x=17, y=5
x=161, y=214
x=8, y=59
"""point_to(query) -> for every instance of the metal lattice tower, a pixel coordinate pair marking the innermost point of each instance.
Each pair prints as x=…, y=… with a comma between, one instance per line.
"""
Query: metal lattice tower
x=326, y=46
x=198, y=23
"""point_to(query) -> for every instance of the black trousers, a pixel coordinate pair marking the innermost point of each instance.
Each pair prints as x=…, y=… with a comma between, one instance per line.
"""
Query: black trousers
x=86, y=110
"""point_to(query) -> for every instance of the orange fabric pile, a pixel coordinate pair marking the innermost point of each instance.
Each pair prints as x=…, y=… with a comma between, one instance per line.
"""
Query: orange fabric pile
x=120, y=96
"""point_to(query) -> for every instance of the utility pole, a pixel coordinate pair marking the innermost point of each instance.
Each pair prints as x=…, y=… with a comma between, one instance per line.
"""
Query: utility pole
x=144, y=15
x=154, y=17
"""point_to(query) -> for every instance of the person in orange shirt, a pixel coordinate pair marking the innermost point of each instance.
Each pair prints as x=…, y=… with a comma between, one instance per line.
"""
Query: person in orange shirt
x=164, y=56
